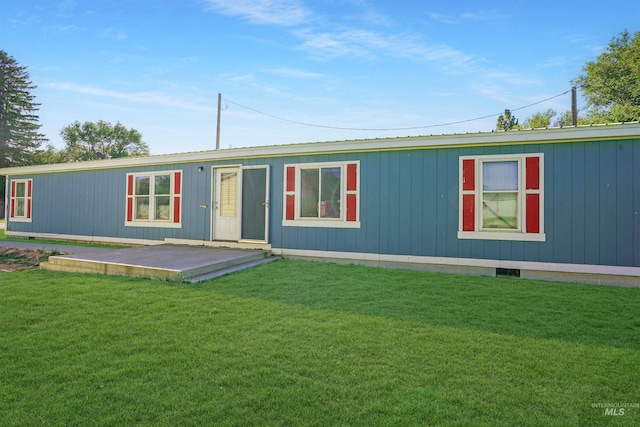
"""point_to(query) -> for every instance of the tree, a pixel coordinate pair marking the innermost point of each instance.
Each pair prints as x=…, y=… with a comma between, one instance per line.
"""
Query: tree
x=93, y=141
x=19, y=128
x=566, y=119
x=539, y=120
x=611, y=83
x=506, y=121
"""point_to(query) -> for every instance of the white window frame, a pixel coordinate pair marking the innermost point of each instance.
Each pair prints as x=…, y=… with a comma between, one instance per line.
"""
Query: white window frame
x=152, y=221
x=519, y=234
x=28, y=200
x=340, y=222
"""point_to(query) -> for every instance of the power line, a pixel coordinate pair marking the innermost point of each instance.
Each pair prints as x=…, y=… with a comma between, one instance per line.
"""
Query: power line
x=389, y=129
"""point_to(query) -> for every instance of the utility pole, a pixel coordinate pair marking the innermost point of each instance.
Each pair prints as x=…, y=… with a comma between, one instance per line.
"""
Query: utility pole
x=218, y=127
x=574, y=107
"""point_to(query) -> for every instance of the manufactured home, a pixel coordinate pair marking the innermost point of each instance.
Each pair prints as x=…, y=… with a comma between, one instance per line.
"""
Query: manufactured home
x=561, y=204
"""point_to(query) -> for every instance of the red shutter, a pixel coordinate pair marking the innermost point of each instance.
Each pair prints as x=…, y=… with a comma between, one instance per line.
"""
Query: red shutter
x=176, y=183
x=29, y=184
x=291, y=178
x=352, y=176
x=468, y=212
x=352, y=192
x=468, y=174
x=532, y=194
x=291, y=207
x=177, y=189
x=533, y=173
x=129, y=198
x=533, y=213
x=13, y=200
x=468, y=195
x=130, y=185
x=352, y=207
x=290, y=189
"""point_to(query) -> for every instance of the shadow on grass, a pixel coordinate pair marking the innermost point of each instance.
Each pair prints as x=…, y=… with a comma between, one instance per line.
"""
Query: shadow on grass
x=596, y=315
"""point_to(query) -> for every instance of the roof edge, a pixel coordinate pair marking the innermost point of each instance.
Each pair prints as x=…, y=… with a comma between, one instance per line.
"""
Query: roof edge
x=529, y=136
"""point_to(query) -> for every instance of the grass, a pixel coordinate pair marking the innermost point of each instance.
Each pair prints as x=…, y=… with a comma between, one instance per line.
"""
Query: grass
x=302, y=343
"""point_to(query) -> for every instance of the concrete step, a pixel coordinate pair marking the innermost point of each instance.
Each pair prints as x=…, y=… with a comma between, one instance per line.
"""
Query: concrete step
x=233, y=269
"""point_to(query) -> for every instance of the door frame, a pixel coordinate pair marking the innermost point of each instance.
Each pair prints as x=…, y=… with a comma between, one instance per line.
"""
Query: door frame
x=214, y=196
x=266, y=205
x=240, y=168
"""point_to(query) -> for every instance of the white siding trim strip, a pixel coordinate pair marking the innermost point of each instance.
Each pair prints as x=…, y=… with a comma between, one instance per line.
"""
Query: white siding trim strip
x=468, y=262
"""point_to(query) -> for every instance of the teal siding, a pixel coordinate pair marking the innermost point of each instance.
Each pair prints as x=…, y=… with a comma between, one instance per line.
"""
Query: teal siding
x=408, y=204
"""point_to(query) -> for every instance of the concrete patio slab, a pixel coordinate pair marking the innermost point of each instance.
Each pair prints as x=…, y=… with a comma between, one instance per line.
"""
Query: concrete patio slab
x=164, y=261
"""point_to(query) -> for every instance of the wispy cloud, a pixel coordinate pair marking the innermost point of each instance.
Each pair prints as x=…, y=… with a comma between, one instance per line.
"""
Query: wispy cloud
x=151, y=98
x=111, y=33
x=62, y=28
x=370, y=43
x=467, y=17
x=295, y=73
x=273, y=12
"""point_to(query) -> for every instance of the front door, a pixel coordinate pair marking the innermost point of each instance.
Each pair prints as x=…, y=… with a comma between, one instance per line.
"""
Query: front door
x=227, y=204
x=255, y=203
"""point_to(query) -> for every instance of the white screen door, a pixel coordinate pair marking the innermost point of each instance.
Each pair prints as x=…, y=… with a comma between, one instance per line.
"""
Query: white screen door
x=227, y=204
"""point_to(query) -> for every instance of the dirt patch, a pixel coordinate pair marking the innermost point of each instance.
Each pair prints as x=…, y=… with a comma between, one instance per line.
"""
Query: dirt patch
x=22, y=259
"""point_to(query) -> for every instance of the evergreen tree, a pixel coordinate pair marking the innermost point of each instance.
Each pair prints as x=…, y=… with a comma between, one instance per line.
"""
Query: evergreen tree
x=507, y=121
x=19, y=128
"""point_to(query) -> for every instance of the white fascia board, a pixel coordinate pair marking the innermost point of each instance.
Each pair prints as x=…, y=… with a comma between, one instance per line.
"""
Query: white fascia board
x=433, y=141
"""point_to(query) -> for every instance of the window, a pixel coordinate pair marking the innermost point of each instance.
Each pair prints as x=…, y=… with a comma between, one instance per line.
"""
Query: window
x=322, y=195
x=21, y=200
x=153, y=199
x=501, y=197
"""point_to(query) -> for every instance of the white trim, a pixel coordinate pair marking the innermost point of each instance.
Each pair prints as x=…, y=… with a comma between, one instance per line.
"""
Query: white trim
x=321, y=222
x=154, y=223
x=81, y=238
x=214, y=205
x=212, y=200
x=469, y=262
x=503, y=235
x=19, y=219
x=519, y=234
x=554, y=135
x=28, y=200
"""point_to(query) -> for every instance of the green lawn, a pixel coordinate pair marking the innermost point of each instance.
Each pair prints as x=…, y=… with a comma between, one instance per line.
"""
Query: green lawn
x=303, y=343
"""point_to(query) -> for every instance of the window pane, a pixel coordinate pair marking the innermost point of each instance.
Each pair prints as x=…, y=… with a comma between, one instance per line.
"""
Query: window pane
x=20, y=207
x=228, y=193
x=500, y=210
x=309, y=193
x=142, y=185
x=500, y=176
x=163, y=205
x=162, y=184
x=142, y=208
x=330, y=193
x=19, y=189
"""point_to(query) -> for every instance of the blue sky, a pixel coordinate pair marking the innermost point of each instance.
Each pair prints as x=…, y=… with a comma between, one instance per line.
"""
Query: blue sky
x=158, y=65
